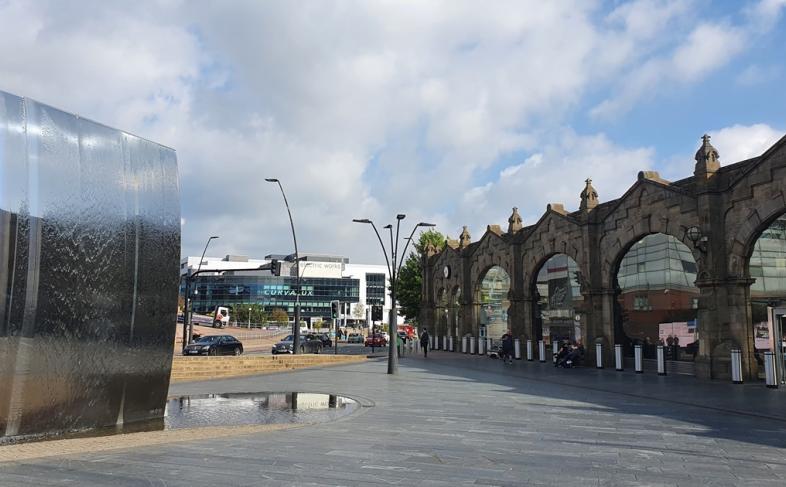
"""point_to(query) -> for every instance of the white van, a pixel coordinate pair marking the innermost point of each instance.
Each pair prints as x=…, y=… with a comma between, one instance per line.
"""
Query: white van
x=221, y=317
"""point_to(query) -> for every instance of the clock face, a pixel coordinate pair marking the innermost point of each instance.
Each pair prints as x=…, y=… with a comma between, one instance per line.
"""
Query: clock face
x=446, y=271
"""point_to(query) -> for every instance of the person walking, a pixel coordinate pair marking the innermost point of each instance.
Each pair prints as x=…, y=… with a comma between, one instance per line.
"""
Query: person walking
x=424, y=341
x=507, y=347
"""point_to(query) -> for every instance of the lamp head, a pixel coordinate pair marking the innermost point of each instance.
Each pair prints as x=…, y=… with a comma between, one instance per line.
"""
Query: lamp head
x=271, y=180
x=423, y=224
x=694, y=234
x=361, y=220
x=388, y=226
x=400, y=216
x=214, y=236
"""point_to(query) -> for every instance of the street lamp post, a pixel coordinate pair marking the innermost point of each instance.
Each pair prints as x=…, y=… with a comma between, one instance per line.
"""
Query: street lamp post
x=249, y=318
x=296, y=330
x=187, y=323
x=394, y=268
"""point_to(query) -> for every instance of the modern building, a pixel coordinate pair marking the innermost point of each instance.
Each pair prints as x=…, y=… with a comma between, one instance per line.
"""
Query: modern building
x=236, y=281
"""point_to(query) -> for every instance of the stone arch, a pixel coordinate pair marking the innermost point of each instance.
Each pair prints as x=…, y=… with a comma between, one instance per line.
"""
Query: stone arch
x=646, y=209
x=554, y=234
x=489, y=251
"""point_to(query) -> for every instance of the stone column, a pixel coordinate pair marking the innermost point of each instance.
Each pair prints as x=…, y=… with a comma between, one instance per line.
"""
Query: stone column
x=724, y=322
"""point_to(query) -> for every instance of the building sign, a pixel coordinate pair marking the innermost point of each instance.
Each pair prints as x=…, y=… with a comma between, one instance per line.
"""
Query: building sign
x=286, y=292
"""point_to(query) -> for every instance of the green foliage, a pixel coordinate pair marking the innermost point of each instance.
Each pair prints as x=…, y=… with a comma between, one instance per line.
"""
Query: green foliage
x=279, y=315
x=410, y=277
x=240, y=314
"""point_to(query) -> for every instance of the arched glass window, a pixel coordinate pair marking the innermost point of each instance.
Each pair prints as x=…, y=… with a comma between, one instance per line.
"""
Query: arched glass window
x=494, y=302
x=658, y=300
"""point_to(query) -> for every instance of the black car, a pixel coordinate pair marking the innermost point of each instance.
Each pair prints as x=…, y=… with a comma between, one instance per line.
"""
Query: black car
x=324, y=338
x=308, y=344
x=215, y=345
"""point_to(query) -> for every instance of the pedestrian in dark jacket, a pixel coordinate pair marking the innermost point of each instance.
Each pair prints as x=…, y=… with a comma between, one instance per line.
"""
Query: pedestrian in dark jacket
x=507, y=347
x=424, y=341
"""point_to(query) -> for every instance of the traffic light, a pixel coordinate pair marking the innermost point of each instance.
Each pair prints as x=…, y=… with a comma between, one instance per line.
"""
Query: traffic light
x=275, y=267
x=376, y=313
x=334, y=310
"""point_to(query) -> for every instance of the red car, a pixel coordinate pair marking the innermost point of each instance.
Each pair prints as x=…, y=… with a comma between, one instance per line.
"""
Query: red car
x=376, y=340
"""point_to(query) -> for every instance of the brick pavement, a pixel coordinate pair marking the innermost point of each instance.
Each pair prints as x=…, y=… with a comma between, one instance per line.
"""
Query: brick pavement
x=453, y=420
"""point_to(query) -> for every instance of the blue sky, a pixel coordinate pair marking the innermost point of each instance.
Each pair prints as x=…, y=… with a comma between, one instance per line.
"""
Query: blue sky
x=449, y=111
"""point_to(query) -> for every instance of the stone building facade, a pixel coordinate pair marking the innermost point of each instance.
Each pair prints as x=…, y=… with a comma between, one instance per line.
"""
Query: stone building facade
x=718, y=213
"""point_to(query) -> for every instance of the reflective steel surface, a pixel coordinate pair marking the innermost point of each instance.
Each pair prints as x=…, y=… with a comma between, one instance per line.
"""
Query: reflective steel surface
x=89, y=256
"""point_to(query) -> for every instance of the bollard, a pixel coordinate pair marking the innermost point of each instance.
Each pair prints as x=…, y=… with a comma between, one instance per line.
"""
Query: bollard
x=529, y=350
x=464, y=344
x=736, y=366
x=555, y=346
x=481, y=346
x=661, y=361
x=451, y=344
x=517, y=349
x=472, y=345
x=598, y=355
x=769, y=370
x=417, y=345
x=542, y=351
x=618, y=357
x=637, y=359
x=444, y=342
x=488, y=345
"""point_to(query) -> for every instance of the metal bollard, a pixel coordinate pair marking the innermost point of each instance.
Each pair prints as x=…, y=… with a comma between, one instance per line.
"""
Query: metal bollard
x=481, y=346
x=598, y=355
x=451, y=344
x=529, y=350
x=769, y=370
x=417, y=345
x=488, y=345
x=736, y=366
x=517, y=349
x=618, y=357
x=472, y=345
x=661, y=361
x=444, y=342
x=542, y=350
x=464, y=344
x=637, y=359
x=555, y=346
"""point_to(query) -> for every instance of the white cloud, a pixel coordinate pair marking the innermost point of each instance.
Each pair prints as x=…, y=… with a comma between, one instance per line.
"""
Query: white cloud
x=556, y=175
x=362, y=109
x=740, y=142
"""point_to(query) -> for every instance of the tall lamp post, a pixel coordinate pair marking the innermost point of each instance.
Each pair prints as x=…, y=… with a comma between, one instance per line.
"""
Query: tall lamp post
x=187, y=323
x=296, y=326
x=394, y=268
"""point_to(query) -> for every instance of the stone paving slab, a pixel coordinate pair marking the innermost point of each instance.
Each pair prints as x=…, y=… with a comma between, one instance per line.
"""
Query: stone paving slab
x=447, y=421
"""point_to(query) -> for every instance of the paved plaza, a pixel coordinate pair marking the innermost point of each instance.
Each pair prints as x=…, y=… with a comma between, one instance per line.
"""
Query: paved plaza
x=461, y=420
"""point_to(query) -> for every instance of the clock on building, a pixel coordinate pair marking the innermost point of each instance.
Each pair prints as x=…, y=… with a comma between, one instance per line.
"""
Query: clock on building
x=446, y=271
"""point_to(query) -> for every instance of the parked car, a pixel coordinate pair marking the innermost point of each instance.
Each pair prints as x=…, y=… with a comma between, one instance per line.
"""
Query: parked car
x=355, y=338
x=376, y=340
x=215, y=345
x=308, y=344
x=325, y=339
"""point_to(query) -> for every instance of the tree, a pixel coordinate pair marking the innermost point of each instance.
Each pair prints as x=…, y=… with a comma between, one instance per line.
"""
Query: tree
x=242, y=316
x=279, y=315
x=410, y=278
x=359, y=312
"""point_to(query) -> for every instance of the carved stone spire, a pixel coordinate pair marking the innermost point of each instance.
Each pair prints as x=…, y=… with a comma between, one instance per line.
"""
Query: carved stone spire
x=707, y=159
x=589, y=197
x=515, y=222
x=464, y=238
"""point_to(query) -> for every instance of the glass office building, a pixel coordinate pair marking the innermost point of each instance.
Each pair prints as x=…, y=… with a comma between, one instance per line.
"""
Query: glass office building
x=273, y=292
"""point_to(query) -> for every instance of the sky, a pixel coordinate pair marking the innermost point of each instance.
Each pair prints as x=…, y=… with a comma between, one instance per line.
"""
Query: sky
x=451, y=112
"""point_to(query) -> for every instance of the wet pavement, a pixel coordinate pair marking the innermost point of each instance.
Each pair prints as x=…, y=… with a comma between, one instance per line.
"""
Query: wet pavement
x=457, y=420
